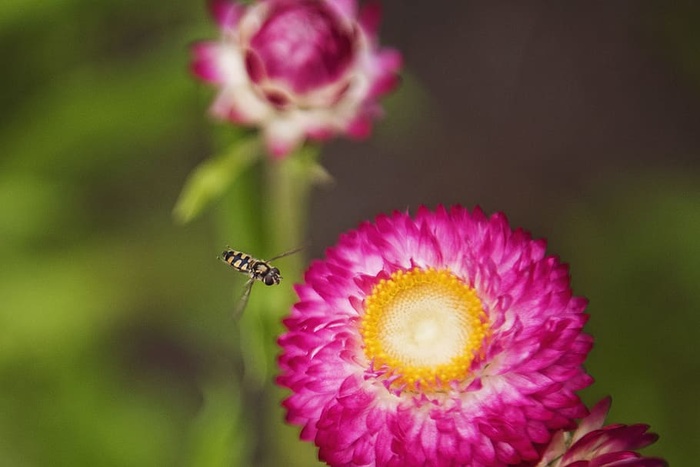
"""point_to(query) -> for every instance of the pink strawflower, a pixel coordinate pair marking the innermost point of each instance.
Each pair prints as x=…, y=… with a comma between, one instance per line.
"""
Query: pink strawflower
x=444, y=339
x=595, y=445
x=297, y=68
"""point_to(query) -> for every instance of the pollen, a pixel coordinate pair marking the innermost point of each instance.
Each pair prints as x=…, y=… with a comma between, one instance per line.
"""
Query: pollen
x=424, y=327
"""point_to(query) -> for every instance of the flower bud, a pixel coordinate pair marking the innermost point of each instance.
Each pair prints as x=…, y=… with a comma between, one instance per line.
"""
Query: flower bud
x=297, y=69
x=595, y=445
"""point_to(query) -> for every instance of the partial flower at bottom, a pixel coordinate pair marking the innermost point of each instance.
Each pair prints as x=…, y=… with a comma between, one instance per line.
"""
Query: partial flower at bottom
x=595, y=445
x=297, y=69
x=441, y=339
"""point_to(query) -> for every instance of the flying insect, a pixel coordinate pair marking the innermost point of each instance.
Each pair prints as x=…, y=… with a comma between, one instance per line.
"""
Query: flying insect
x=256, y=270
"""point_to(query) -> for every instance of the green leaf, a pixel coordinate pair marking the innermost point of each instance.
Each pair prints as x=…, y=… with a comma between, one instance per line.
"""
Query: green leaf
x=212, y=178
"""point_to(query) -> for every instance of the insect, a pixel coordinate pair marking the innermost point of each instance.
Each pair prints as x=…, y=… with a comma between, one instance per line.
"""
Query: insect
x=256, y=269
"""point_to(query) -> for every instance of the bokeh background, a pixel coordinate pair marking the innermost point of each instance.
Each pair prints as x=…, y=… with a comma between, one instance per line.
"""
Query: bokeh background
x=580, y=120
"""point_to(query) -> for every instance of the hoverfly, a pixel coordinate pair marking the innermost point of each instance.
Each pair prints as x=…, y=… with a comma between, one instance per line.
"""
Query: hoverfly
x=256, y=270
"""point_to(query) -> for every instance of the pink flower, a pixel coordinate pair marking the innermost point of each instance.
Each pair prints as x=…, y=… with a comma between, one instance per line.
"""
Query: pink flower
x=595, y=445
x=297, y=68
x=444, y=339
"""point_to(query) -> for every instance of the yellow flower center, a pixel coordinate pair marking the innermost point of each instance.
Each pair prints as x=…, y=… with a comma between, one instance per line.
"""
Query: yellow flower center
x=424, y=326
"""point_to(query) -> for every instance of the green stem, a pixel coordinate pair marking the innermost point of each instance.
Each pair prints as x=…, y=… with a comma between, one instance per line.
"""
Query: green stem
x=287, y=184
x=264, y=213
x=287, y=199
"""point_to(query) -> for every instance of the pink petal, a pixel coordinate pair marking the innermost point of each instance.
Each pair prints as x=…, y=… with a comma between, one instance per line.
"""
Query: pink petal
x=281, y=138
x=226, y=13
x=206, y=62
x=370, y=17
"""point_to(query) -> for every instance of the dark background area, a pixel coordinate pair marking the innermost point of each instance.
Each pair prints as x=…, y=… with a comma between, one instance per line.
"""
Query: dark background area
x=527, y=106
x=579, y=120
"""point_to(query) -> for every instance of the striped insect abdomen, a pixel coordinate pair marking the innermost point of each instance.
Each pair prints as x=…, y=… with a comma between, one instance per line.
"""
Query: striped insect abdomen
x=238, y=260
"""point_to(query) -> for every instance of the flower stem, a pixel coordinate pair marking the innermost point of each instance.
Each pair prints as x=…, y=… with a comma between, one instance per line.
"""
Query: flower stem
x=287, y=185
x=266, y=211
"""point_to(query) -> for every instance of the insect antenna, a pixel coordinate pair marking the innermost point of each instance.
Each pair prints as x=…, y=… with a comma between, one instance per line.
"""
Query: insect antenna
x=288, y=252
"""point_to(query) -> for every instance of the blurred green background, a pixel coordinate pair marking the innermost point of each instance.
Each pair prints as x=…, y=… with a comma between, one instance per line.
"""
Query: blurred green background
x=581, y=122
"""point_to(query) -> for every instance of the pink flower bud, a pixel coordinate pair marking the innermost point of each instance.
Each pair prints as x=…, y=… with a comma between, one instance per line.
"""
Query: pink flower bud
x=595, y=445
x=297, y=68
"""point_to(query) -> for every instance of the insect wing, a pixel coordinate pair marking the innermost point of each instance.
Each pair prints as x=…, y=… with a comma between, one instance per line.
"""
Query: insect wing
x=243, y=301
